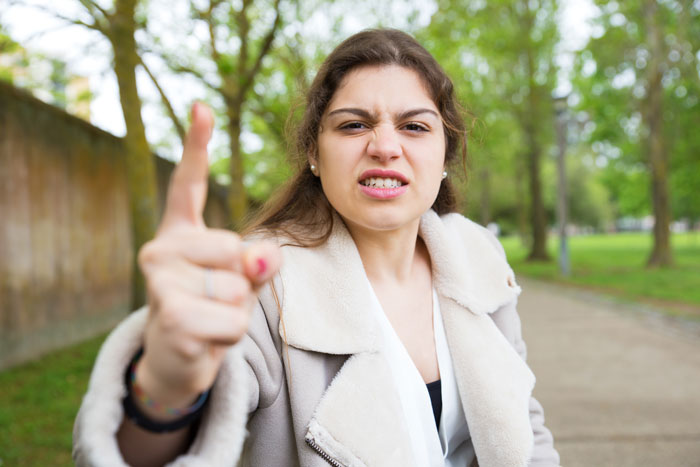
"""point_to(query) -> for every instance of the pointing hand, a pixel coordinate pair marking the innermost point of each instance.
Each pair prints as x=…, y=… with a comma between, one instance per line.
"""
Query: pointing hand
x=201, y=282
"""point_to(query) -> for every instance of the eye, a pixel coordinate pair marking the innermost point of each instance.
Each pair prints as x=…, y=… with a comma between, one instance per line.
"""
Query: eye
x=416, y=127
x=353, y=126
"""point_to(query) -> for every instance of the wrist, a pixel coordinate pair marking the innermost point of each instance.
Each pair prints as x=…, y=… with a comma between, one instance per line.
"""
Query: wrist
x=152, y=415
x=147, y=386
x=157, y=399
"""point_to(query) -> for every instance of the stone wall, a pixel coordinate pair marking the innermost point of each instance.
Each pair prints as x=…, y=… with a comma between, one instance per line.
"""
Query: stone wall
x=65, y=244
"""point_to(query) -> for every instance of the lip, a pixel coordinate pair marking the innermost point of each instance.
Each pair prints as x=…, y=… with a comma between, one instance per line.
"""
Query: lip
x=383, y=193
x=382, y=173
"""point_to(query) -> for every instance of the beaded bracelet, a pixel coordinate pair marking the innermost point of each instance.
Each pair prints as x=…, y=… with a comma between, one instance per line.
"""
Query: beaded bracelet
x=131, y=409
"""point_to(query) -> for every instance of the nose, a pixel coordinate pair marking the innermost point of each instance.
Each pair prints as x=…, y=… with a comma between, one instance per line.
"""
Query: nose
x=384, y=145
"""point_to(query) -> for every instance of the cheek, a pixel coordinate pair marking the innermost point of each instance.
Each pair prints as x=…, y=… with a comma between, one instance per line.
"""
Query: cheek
x=339, y=159
x=432, y=170
x=434, y=161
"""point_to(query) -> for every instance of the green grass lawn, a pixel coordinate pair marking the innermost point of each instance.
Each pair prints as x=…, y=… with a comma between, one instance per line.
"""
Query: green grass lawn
x=615, y=264
x=38, y=402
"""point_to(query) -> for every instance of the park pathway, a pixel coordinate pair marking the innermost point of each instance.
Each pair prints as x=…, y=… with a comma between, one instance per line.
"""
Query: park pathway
x=619, y=387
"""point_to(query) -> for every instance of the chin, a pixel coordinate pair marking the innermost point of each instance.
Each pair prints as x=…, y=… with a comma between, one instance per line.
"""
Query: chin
x=385, y=221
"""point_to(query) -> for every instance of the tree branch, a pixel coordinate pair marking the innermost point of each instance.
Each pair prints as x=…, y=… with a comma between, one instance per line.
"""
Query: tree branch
x=228, y=88
x=264, y=49
x=91, y=6
x=177, y=68
x=43, y=32
x=180, y=68
x=209, y=18
x=243, y=29
x=166, y=102
x=274, y=127
x=78, y=22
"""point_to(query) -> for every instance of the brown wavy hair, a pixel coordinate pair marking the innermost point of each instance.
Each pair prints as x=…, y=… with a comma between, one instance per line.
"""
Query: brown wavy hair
x=300, y=210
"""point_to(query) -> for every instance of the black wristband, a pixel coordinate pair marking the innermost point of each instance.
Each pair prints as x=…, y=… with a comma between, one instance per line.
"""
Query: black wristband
x=132, y=411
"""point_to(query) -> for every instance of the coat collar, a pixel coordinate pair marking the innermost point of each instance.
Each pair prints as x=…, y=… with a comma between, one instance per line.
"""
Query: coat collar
x=325, y=304
x=326, y=308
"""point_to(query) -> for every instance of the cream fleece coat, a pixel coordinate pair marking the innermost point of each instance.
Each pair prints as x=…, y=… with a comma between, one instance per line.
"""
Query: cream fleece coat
x=313, y=389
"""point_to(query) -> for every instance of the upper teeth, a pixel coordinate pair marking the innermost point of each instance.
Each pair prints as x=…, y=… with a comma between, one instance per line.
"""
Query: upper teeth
x=382, y=182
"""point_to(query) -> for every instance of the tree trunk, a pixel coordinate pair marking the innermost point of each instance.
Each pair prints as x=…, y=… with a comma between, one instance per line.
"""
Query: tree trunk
x=237, y=198
x=656, y=147
x=538, y=221
x=140, y=166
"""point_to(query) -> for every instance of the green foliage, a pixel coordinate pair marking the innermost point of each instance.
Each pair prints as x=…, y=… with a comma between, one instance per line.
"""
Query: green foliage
x=45, y=77
x=500, y=56
x=629, y=190
x=615, y=264
x=226, y=64
x=39, y=403
x=8, y=47
x=587, y=195
x=611, y=80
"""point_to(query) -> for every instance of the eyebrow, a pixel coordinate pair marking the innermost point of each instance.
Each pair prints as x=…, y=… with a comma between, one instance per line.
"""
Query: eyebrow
x=365, y=114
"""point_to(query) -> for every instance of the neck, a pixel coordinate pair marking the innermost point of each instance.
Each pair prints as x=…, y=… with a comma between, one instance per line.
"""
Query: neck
x=389, y=255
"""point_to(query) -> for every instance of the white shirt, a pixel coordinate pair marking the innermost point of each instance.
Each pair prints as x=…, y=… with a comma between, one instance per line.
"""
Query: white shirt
x=431, y=447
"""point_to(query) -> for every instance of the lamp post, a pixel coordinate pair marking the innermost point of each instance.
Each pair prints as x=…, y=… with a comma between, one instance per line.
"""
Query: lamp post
x=560, y=107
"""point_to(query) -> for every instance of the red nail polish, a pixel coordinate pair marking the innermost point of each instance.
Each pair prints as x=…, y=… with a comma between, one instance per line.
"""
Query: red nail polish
x=262, y=266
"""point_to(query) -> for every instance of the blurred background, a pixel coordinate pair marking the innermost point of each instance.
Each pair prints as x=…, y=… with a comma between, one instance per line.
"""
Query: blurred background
x=584, y=157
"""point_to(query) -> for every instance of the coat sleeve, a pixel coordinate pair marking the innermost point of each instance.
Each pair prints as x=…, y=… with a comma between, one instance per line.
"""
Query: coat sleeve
x=508, y=321
x=221, y=434
x=544, y=454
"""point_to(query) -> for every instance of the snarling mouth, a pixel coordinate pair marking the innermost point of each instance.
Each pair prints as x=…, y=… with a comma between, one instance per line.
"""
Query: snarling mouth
x=377, y=182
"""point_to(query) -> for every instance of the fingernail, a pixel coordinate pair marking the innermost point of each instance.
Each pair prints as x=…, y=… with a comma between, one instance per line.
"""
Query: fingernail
x=195, y=109
x=262, y=267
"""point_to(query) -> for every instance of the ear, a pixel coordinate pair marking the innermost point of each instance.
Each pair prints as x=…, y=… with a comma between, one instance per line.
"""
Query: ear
x=313, y=160
x=312, y=157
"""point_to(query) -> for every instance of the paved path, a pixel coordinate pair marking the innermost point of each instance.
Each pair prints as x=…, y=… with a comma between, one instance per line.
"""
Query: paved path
x=619, y=387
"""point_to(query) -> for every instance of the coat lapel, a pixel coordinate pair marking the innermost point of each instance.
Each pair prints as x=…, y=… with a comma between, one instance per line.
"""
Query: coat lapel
x=494, y=385
x=473, y=279
x=326, y=308
x=325, y=305
x=359, y=420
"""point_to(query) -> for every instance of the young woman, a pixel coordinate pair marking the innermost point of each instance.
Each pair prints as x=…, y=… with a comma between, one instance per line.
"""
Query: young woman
x=367, y=325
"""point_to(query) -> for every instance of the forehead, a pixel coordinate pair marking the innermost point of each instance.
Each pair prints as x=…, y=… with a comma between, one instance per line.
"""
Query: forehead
x=378, y=88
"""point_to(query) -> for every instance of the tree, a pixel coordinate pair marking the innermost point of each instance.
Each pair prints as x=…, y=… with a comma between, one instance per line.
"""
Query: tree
x=239, y=37
x=118, y=25
x=501, y=57
x=637, y=79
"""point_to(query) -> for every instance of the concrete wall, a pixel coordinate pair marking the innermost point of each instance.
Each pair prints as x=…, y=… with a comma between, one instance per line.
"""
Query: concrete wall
x=65, y=244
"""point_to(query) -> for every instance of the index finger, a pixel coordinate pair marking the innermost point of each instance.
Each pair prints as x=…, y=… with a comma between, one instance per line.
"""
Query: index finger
x=187, y=192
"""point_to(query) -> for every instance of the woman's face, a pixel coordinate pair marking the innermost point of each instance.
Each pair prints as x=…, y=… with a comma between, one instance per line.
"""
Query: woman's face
x=381, y=149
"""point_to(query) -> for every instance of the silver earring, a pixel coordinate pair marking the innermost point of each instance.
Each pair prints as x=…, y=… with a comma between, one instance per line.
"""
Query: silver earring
x=444, y=174
x=313, y=169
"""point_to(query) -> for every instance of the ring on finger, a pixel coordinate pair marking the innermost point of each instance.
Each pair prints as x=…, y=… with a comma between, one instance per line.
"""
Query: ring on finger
x=209, y=284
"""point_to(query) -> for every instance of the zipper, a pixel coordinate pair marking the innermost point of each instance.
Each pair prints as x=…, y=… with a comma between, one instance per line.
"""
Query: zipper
x=322, y=453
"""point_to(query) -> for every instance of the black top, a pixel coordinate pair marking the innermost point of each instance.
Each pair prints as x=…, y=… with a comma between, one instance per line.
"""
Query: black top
x=434, y=389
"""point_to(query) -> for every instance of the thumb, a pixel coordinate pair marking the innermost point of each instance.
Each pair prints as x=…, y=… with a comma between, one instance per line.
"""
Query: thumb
x=187, y=193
